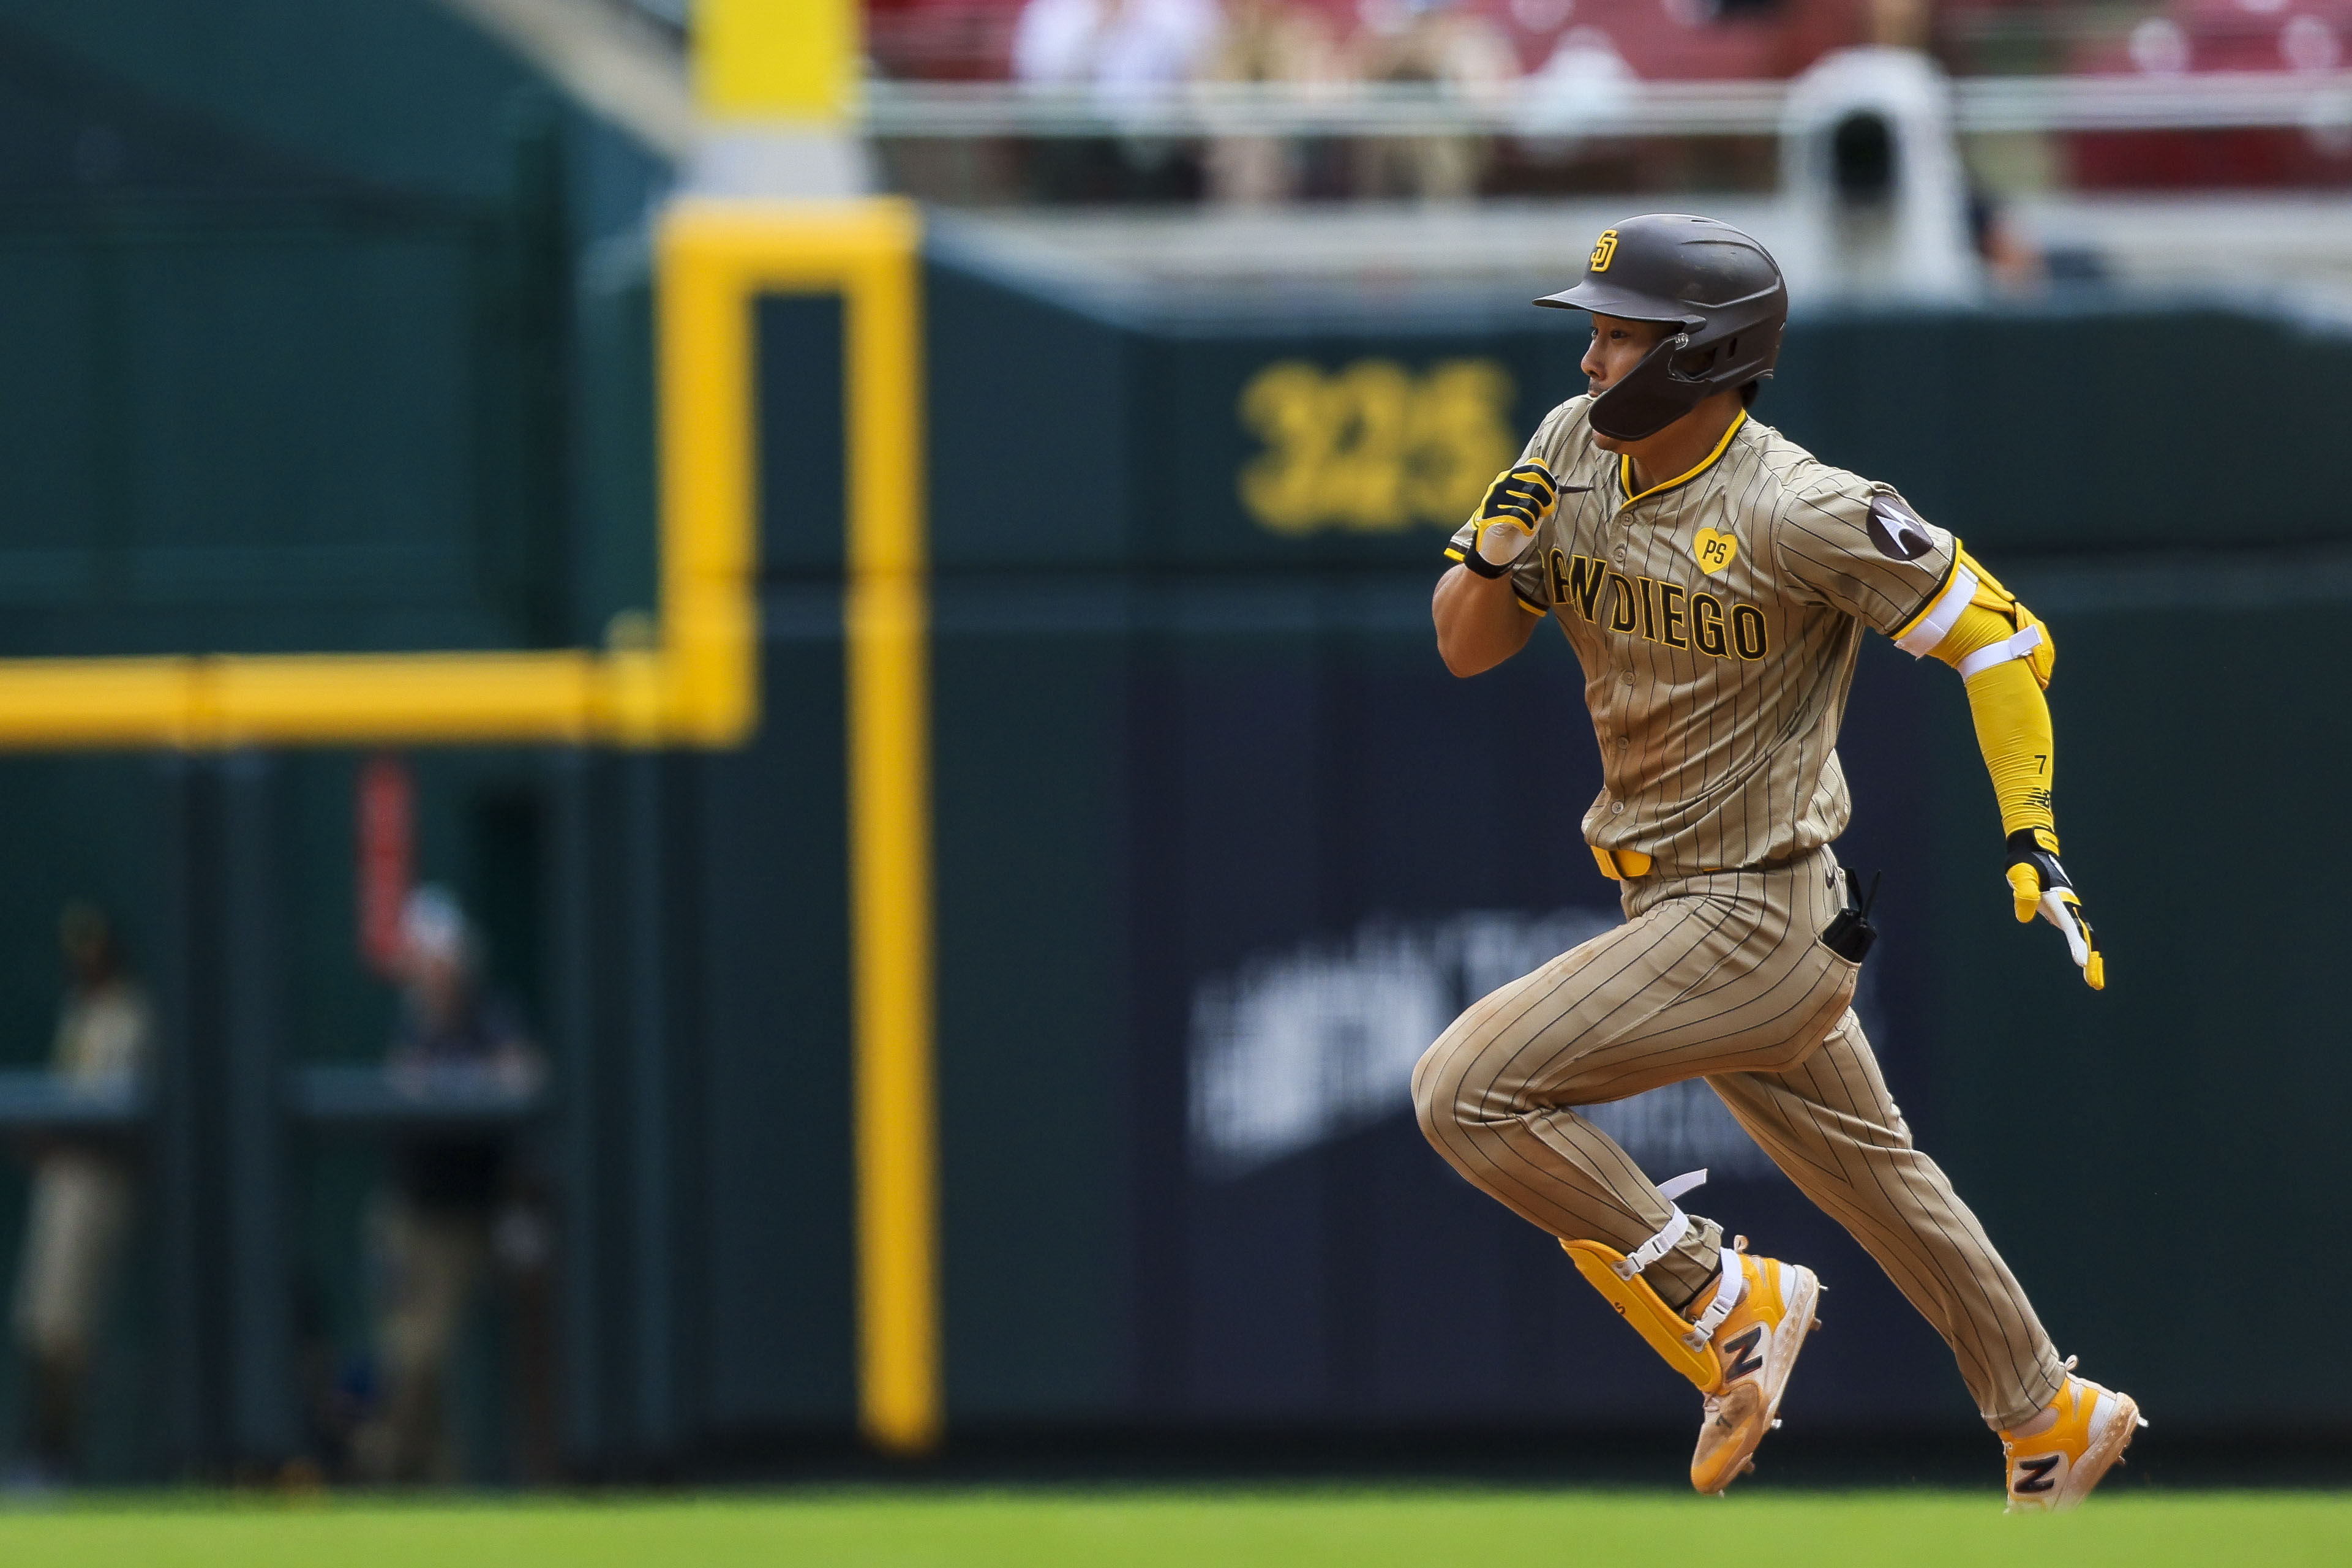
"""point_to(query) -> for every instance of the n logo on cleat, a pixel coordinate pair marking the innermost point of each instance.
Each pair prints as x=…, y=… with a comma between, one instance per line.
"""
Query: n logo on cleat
x=1742, y=1351
x=2034, y=1474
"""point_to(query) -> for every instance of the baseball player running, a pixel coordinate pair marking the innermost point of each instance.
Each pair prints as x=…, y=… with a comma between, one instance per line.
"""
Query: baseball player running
x=1714, y=580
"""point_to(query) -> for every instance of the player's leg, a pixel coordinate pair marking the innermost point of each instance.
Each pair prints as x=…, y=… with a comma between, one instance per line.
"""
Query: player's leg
x=1832, y=1126
x=1712, y=974
x=1663, y=998
x=1709, y=971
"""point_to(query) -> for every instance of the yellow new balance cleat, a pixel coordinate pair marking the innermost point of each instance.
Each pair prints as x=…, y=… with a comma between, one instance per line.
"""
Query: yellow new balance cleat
x=1737, y=1352
x=2055, y=1469
x=1756, y=1346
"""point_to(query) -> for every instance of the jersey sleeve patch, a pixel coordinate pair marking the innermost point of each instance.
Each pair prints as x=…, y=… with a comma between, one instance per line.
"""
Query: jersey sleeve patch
x=1897, y=531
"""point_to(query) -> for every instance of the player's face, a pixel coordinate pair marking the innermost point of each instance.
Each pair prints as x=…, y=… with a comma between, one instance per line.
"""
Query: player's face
x=1618, y=345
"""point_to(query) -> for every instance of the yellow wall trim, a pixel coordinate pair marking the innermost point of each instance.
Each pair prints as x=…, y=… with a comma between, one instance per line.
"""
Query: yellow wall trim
x=565, y=696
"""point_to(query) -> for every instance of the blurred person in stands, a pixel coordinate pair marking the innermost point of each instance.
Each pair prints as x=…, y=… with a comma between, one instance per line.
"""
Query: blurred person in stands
x=2013, y=262
x=1126, y=53
x=438, y=1223
x=82, y=1192
x=1442, y=43
x=1266, y=41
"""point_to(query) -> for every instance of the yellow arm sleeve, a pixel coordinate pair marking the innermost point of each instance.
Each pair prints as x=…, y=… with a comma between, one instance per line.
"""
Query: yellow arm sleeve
x=2013, y=717
x=2013, y=731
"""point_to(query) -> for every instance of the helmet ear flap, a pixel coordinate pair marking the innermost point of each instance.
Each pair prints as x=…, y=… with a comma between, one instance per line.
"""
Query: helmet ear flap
x=1651, y=397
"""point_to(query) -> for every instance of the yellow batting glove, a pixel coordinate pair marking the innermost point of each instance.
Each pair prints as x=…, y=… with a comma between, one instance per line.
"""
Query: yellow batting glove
x=1516, y=502
x=2039, y=885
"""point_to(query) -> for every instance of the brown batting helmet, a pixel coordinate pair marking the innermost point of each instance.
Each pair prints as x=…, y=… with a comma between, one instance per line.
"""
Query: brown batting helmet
x=1717, y=288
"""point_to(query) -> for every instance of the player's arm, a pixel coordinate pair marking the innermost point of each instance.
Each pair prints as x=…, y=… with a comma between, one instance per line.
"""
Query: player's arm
x=2005, y=657
x=1481, y=622
x=1482, y=614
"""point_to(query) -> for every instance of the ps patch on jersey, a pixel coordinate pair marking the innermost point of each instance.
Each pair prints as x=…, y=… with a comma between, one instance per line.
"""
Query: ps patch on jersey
x=1714, y=550
x=1900, y=532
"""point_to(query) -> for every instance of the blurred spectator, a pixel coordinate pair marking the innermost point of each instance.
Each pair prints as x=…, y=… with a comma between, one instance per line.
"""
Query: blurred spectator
x=1585, y=80
x=1120, y=49
x=1125, y=52
x=1266, y=41
x=437, y=1225
x=82, y=1193
x=1444, y=43
x=2013, y=262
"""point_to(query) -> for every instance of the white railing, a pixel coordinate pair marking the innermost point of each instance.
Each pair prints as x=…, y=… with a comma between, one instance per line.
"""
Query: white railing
x=1586, y=107
x=2221, y=101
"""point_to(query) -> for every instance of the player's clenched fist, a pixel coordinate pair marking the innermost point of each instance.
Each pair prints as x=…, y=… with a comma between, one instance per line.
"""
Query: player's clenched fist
x=2041, y=886
x=1516, y=503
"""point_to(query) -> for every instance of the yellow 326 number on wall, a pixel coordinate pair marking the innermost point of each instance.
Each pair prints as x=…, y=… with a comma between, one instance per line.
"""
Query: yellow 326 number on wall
x=1375, y=447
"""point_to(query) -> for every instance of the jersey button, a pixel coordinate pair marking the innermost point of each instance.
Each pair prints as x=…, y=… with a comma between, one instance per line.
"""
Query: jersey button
x=1627, y=677
x=1618, y=809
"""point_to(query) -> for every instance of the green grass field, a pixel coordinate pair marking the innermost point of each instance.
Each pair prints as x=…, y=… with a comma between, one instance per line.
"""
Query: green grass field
x=1232, y=1529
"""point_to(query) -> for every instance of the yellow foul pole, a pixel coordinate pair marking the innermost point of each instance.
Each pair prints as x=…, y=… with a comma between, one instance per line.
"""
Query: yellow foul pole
x=777, y=81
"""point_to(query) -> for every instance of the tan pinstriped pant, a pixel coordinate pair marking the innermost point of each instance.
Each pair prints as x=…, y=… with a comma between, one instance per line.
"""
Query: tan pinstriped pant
x=1719, y=976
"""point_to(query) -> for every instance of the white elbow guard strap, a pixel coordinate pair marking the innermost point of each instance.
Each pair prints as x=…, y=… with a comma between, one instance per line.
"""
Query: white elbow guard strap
x=2001, y=653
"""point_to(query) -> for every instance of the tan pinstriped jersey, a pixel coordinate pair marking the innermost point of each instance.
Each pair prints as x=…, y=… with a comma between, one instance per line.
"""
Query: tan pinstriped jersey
x=1717, y=617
